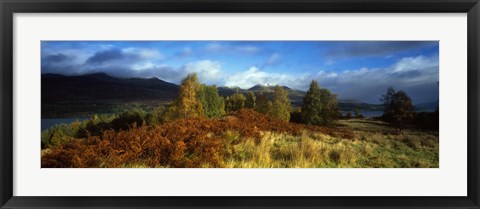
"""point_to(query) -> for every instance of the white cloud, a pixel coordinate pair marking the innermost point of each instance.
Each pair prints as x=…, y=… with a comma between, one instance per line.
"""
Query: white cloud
x=144, y=53
x=254, y=76
x=416, y=75
x=208, y=71
x=143, y=66
x=415, y=63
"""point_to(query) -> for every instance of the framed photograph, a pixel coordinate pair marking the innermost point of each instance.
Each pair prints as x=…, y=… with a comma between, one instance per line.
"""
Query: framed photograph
x=239, y=104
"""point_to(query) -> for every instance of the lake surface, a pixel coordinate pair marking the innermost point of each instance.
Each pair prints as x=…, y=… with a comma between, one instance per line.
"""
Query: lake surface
x=46, y=123
x=371, y=114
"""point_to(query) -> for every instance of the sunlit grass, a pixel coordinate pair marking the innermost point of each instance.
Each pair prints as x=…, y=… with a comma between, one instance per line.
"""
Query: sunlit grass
x=375, y=145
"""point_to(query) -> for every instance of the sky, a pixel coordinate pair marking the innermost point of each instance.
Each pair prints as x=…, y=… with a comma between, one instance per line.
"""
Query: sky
x=359, y=70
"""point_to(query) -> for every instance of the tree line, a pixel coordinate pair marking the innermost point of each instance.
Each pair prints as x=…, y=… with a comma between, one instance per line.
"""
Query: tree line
x=195, y=99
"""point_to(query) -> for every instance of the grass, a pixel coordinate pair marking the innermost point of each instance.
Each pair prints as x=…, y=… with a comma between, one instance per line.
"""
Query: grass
x=369, y=149
x=247, y=139
x=375, y=145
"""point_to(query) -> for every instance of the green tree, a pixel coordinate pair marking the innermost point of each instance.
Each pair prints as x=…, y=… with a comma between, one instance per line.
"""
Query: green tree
x=187, y=105
x=399, y=110
x=330, y=110
x=319, y=107
x=250, y=101
x=213, y=103
x=235, y=102
x=263, y=104
x=281, y=104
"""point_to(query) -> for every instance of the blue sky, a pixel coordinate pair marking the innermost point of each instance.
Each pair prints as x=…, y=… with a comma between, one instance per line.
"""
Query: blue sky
x=360, y=70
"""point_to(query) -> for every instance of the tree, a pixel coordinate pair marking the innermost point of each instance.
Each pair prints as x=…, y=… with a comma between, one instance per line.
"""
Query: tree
x=330, y=110
x=356, y=112
x=348, y=115
x=398, y=107
x=319, y=107
x=387, y=100
x=312, y=105
x=235, y=102
x=263, y=104
x=281, y=104
x=187, y=105
x=250, y=101
x=296, y=115
x=213, y=104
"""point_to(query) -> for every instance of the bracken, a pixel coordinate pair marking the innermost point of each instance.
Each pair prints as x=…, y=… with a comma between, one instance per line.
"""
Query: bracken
x=183, y=143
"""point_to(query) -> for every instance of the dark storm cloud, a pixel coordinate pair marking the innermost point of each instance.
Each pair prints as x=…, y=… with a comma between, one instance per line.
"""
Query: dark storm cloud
x=407, y=74
x=58, y=63
x=162, y=72
x=374, y=48
x=104, y=56
x=54, y=58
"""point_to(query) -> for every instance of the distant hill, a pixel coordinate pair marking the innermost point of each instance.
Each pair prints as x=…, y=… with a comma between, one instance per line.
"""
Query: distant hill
x=100, y=86
x=427, y=106
x=99, y=92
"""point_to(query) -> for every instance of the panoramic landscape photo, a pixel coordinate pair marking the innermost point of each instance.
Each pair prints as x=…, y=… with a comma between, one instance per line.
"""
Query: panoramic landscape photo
x=239, y=104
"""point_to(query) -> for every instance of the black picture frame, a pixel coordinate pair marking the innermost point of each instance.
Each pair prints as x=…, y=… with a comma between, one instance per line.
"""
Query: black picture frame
x=9, y=7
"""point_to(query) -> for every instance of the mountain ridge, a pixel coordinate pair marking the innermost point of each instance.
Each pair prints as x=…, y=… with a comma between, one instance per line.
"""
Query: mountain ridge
x=100, y=88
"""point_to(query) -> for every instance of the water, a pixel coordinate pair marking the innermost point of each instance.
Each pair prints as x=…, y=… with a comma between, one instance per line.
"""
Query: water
x=371, y=114
x=46, y=123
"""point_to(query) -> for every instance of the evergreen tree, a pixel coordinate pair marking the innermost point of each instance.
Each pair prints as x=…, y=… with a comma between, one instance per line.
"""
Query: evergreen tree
x=330, y=110
x=250, y=101
x=312, y=105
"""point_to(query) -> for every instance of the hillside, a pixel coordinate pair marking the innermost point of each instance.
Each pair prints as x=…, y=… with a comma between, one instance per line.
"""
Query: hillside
x=100, y=86
x=82, y=95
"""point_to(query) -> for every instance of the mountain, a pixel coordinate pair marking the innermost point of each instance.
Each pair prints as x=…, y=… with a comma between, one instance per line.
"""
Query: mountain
x=64, y=96
x=353, y=101
x=100, y=86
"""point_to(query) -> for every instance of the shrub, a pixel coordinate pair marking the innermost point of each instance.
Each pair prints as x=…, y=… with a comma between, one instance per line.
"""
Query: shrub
x=190, y=142
x=57, y=134
x=125, y=120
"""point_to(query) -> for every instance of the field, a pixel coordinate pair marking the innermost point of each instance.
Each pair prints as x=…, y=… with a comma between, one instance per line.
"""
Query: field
x=248, y=139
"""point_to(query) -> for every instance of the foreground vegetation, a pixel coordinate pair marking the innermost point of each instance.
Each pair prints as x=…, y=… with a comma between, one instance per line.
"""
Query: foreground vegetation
x=247, y=139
